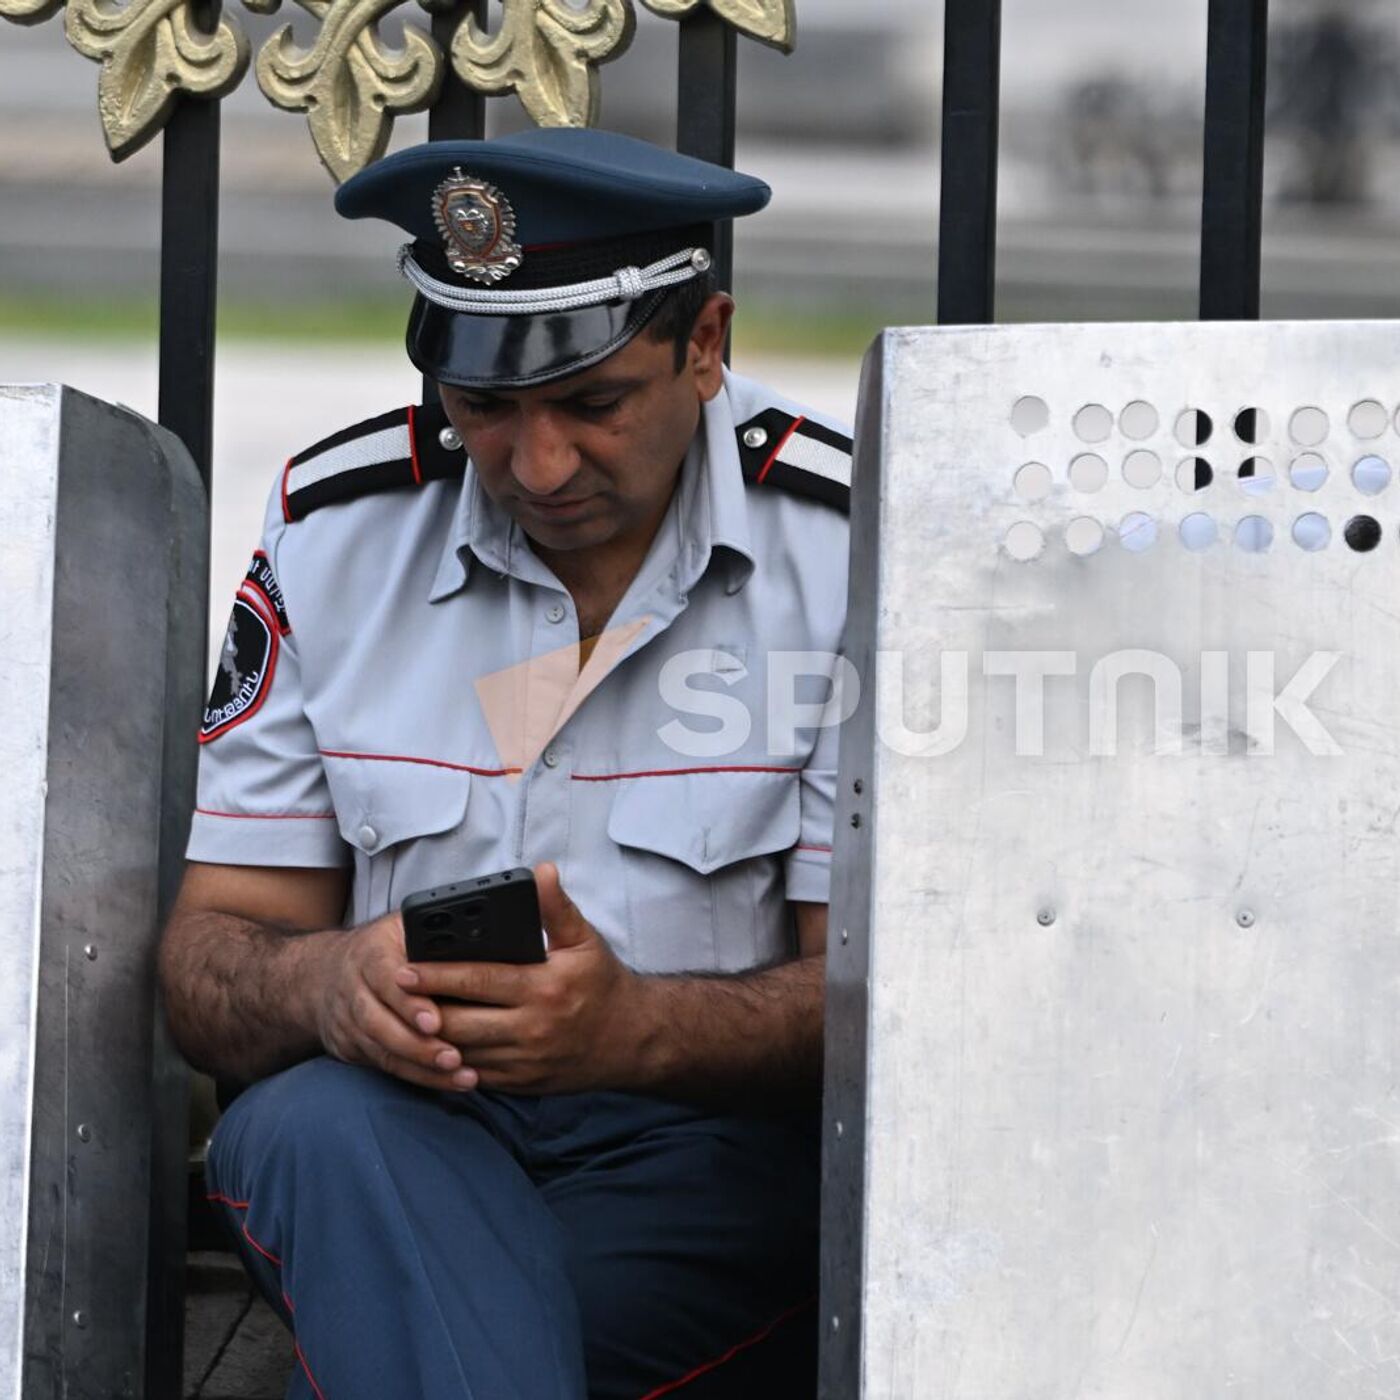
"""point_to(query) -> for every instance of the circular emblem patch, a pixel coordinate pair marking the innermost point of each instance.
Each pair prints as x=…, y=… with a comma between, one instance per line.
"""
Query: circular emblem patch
x=476, y=223
x=246, y=663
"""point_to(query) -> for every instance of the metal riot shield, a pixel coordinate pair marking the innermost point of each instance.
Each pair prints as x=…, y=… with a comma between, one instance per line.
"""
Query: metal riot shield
x=103, y=576
x=1112, y=1105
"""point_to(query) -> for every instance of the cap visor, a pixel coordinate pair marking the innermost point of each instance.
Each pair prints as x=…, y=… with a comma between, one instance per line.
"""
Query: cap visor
x=516, y=352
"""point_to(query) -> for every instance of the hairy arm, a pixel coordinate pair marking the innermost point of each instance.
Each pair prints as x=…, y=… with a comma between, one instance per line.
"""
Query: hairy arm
x=749, y=1036
x=257, y=974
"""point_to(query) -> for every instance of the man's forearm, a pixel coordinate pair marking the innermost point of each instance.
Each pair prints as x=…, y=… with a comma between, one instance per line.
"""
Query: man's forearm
x=237, y=992
x=753, y=1036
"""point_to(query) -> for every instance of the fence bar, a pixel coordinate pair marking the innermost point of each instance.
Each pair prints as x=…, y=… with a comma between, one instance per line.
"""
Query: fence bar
x=189, y=270
x=459, y=114
x=967, y=223
x=189, y=265
x=705, y=98
x=1232, y=212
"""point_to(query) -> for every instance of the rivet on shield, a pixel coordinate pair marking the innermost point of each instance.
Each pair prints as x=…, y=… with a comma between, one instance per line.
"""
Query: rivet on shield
x=1045, y=918
x=1245, y=918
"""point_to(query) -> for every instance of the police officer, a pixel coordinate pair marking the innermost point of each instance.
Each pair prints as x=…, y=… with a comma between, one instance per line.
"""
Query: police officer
x=549, y=620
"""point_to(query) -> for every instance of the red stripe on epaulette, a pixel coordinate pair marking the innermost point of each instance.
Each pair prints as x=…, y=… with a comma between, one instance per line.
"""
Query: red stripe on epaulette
x=778, y=450
x=413, y=446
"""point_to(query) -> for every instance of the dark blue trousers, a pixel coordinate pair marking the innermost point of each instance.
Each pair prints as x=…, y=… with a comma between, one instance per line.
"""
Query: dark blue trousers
x=428, y=1246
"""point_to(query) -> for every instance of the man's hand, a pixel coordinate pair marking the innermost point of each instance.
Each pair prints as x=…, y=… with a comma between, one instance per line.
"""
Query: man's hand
x=566, y=1025
x=365, y=1015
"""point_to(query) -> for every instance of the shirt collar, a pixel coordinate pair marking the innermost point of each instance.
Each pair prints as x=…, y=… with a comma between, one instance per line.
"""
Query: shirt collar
x=711, y=513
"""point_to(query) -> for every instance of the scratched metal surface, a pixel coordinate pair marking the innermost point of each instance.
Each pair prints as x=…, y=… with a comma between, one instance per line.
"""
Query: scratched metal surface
x=1113, y=1033
x=103, y=565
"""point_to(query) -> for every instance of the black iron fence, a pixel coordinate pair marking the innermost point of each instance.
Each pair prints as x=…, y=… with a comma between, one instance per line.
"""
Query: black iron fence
x=1232, y=203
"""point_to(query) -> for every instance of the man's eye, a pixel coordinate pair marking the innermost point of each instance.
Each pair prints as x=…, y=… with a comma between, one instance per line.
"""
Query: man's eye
x=478, y=405
x=591, y=409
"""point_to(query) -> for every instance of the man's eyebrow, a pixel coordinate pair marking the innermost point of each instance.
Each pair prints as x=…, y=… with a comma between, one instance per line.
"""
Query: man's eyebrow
x=617, y=385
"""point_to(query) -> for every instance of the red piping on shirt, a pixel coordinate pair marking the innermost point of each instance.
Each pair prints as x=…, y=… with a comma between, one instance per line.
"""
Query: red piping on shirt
x=269, y=816
x=428, y=762
x=672, y=1386
x=773, y=456
x=826, y=850
x=286, y=508
x=413, y=449
x=679, y=772
x=269, y=1255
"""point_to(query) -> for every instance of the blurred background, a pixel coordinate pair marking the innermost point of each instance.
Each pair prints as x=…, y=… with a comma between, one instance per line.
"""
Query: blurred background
x=1100, y=207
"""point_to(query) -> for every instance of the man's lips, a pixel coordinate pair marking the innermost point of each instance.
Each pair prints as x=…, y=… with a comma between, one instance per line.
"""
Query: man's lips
x=551, y=508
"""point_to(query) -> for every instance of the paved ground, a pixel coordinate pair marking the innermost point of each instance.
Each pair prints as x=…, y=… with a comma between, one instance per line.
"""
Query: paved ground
x=235, y=1345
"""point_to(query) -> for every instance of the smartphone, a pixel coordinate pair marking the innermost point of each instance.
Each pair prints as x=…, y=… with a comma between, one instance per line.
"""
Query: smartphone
x=489, y=918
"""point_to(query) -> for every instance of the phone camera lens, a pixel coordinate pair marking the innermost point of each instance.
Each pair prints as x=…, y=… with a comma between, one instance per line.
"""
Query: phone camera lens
x=436, y=921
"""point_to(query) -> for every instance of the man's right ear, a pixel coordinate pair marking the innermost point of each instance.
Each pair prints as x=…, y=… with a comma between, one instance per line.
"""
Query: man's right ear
x=707, y=340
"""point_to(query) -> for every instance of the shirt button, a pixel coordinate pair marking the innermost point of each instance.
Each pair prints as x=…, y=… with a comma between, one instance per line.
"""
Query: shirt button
x=555, y=612
x=755, y=437
x=369, y=837
x=551, y=759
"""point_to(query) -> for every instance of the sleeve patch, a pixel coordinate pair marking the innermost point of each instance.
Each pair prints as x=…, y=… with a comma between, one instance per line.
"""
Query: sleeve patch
x=269, y=592
x=247, y=662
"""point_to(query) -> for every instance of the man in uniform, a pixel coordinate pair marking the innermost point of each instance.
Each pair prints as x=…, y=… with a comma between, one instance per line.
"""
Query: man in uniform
x=548, y=621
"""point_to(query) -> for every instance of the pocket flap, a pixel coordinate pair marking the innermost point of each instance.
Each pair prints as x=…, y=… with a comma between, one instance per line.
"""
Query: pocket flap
x=707, y=820
x=379, y=803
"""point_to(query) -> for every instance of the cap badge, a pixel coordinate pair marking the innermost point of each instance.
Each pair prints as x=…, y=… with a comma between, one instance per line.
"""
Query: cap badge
x=476, y=223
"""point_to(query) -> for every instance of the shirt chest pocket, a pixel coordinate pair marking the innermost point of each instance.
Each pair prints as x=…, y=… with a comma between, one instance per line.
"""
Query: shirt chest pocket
x=701, y=867
x=395, y=817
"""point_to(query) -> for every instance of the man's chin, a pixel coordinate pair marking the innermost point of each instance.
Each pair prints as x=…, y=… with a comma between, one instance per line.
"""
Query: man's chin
x=564, y=532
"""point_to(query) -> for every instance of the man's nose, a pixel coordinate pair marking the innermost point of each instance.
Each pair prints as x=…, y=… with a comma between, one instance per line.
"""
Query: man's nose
x=543, y=457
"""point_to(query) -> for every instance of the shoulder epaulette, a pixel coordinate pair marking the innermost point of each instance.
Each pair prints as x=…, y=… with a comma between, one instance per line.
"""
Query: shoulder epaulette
x=797, y=455
x=404, y=448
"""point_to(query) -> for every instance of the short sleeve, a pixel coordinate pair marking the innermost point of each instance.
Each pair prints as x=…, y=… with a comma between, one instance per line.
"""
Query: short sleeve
x=262, y=797
x=807, y=872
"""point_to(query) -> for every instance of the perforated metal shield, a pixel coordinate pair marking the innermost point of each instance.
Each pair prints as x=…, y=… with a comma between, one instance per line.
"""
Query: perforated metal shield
x=1112, y=1104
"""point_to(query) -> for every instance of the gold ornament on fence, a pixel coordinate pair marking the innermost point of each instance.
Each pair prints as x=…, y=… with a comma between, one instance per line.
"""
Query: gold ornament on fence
x=546, y=52
x=29, y=11
x=772, y=22
x=348, y=82
x=151, y=51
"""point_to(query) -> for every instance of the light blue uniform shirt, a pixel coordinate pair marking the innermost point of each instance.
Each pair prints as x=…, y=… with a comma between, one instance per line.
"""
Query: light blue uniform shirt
x=407, y=717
